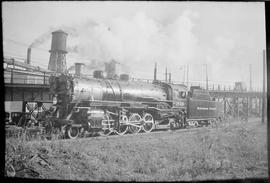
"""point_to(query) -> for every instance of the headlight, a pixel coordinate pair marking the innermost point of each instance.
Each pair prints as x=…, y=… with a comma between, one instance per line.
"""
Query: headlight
x=55, y=100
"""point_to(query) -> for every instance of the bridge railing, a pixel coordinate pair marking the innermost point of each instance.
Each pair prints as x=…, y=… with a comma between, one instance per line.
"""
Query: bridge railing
x=27, y=81
x=11, y=77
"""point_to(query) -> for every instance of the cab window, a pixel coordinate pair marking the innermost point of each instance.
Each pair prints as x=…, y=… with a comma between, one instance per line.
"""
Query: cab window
x=182, y=94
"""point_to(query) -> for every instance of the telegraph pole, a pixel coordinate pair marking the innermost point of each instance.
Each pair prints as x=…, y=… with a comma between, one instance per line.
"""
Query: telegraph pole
x=184, y=74
x=166, y=75
x=206, y=76
x=250, y=77
x=187, y=75
x=263, y=92
x=155, y=72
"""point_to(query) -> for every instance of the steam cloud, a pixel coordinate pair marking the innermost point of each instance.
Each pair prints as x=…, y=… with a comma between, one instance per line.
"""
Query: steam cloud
x=41, y=39
x=136, y=42
x=72, y=31
x=140, y=41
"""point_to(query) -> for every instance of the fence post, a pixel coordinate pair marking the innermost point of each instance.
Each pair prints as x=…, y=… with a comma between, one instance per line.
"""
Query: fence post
x=225, y=111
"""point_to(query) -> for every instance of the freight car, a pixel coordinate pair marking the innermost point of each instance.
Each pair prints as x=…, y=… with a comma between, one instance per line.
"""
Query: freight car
x=106, y=106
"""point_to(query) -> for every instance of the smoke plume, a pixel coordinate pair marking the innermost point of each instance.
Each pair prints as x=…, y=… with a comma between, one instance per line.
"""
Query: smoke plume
x=139, y=41
x=136, y=43
x=41, y=39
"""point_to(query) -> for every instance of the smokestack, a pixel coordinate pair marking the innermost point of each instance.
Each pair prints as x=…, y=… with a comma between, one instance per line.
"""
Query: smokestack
x=170, y=77
x=78, y=68
x=155, y=72
x=28, y=59
x=58, y=52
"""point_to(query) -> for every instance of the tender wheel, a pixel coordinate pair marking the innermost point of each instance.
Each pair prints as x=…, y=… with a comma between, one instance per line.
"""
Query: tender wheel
x=196, y=124
x=73, y=132
x=107, y=125
x=213, y=122
x=123, y=126
x=219, y=120
x=148, y=125
x=190, y=123
x=135, y=123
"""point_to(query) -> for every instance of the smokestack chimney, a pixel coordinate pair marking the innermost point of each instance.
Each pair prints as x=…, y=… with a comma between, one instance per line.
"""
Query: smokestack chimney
x=155, y=72
x=78, y=68
x=58, y=52
x=28, y=59
x=170, y=77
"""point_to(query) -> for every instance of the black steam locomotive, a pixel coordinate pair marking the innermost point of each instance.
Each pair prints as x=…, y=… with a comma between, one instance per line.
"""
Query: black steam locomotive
x=106, y=106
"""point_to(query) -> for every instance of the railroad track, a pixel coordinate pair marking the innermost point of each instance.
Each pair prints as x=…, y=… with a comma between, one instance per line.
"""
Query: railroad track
x=158, y=131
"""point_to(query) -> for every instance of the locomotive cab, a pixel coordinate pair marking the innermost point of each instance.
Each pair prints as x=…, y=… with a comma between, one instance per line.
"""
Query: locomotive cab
x=179, y=96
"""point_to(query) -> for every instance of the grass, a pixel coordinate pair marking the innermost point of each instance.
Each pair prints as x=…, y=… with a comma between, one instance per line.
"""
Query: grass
x=223, y=152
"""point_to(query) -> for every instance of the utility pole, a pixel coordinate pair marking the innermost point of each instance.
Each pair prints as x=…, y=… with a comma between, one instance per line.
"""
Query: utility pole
x=249, y=99
x=206, y=78
x=187, y=75
x=263, y=92
x=250, y=77
x=184, y=74
x=166, y=75
x=155, y=72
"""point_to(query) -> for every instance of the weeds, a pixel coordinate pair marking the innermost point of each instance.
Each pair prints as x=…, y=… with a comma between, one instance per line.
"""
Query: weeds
x=218, y=152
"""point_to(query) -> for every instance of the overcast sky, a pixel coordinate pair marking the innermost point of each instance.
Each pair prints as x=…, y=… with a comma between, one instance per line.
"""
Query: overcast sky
x=225, y=36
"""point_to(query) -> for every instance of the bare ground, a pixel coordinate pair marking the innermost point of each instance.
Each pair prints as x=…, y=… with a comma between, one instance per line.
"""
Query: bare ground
x=227, y=151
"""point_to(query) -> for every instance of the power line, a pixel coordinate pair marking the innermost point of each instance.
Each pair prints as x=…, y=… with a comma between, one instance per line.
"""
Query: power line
x=24, y=44
x=16, y=42
x=43, y=49
x=23, y=59
x=21, y=56
x=39, y=48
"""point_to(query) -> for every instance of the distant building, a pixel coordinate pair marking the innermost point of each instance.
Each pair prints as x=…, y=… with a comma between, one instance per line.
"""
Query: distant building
x=240, y=86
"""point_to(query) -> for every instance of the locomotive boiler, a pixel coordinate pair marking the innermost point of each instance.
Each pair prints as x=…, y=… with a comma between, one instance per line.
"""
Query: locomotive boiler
x=105, y=106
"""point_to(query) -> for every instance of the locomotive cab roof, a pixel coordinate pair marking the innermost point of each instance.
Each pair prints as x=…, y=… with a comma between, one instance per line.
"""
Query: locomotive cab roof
x=180, y=87
x=199, y=93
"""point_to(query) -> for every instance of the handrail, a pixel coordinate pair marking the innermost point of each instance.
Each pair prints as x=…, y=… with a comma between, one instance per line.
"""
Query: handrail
x=24, y=65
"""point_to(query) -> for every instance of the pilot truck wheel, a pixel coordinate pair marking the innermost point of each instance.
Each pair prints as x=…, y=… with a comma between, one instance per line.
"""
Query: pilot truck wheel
x=72, y=132
x=107, y=125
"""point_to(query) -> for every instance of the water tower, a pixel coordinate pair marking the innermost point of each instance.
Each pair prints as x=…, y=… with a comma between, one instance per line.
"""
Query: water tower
x=58, y=52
